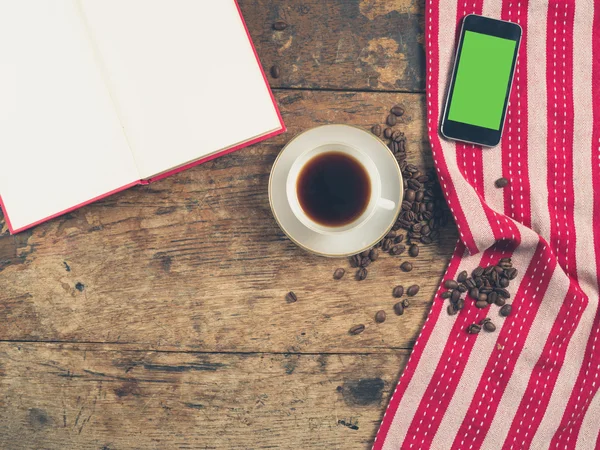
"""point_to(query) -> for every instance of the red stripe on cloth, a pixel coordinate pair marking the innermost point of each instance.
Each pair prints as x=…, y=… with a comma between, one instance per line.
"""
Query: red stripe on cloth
x=541, y=383
x=559, y=79
x=436, y=308
x=587, y=383
x=512, y=338
x=514, y=138
x=450, y=367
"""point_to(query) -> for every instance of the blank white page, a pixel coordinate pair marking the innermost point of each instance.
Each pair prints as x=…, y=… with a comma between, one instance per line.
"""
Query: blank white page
x=183, y=76
x=61, y=143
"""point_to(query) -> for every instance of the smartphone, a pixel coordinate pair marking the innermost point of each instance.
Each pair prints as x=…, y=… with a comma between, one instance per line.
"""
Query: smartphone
x=481, y=80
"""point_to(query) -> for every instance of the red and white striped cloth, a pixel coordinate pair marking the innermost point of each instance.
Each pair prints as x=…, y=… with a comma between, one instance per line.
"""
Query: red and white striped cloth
x=534, y=382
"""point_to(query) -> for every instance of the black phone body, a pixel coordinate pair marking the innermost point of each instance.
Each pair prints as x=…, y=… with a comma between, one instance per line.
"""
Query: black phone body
x=484, y=66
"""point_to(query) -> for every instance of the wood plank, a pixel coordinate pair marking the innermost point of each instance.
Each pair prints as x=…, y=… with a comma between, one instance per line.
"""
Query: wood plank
x=197, y=262
x=341, y=44
x=101, y=397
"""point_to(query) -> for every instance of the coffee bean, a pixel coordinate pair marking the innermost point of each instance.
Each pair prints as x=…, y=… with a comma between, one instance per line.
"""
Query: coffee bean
x=451, y=310
x=376, y=130
x=504, y=282
x=398, y=239
x=390, y=235
x=489, y=326
x=419, y=196
x=361, y=274
x=501, y=182
x=477, y=272
x=355, y=261
x=387, y=245
x=406, y=303
x=474, y=328
x=280, y=25
x=406, y=266
x=481, y=304
x=391, y=120
x=338, y=274
x=399, y=308
x=482, y=297
x=365, y=262
x=512, y=274
x=455, y=296
x=397, y=249
x=395, y=135
x=503, y=292
x=380, y=316
x=364, y=253
x=357, y=329
x=425, y=230
x=401, y=140
x=492, y=297
x=499, y=301
x=462, y=277
x=413, y=250
x=387, y=133
x=446, y=294
x=397, y=110
x=409, y=195
x=398, y=291
x=412, y=290
x=426, y=239
x=462, y=288
x=290, y=297
x=275, y=72
x=506, y=310
x=374, y=254
x=470, y=283
x=450, y=284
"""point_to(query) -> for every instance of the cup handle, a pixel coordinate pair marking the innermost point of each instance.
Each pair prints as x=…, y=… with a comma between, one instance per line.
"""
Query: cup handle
x=386, y=204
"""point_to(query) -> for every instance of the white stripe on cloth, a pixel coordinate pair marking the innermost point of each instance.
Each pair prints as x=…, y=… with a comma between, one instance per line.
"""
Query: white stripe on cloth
x=589, y=428
x=536, y=339
x=584, y=207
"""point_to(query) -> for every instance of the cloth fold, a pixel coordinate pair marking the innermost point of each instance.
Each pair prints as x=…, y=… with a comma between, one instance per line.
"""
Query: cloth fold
x=534, y=382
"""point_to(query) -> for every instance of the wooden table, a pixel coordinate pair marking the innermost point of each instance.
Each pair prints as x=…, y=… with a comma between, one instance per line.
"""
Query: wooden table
x=157, y=319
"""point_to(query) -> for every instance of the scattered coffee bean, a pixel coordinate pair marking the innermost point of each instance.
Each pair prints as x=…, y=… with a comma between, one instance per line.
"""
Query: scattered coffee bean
x=482, y=297
x=413, y=250
x=397, y=250
x=338, y=274
x=504, y=282
x=474, y=328
x=398, y=239
x=474, y=293
x=391, y=235
x=275, y=72
x=406, y=303
x=280, y=25
x=462, y=277
x=376, y=130
x=361, y=274
x=364, y=262
x=396, y=135
x=399, y=308
x=492, y=297
x=500, y=301
x=374, y=254
x=462, y=288
x=412, y=290
x=477, y=272
x=290, y=297
x=503, y=292
x=364, y=253
x=506, y=310
x=387, y=133
x=450, y=284
x=380, y=316
x=357, y=329
x=406, y=266
x=501, y=182
x=398, y=291
x=391, y=120
x=397, y=110
x=481, y=304
x=446, y=294
x=489, y=326
x=455, y=296
x=451, y=309
x=460, y=304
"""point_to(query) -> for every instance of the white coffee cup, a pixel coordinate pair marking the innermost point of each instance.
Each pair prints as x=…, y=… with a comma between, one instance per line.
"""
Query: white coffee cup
x=375, y=201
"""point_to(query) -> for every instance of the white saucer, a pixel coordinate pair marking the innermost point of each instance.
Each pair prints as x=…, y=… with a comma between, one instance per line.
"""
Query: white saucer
x=348, y=242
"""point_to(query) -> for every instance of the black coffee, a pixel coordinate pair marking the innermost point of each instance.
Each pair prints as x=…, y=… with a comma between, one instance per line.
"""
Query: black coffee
x=333, y=189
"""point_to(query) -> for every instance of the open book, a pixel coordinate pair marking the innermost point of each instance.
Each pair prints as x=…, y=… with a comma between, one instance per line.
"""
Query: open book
x=100, y=95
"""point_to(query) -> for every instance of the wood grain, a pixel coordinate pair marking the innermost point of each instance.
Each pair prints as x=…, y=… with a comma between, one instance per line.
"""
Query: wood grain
x=341, y=44
x=106, y=397
x=197, y=262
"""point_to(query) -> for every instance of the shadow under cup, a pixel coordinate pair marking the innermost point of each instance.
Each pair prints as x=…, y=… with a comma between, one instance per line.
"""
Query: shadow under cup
x=361, y=171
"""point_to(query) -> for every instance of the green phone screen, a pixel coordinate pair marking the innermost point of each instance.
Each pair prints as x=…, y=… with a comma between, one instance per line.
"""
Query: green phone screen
x=482, y=79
